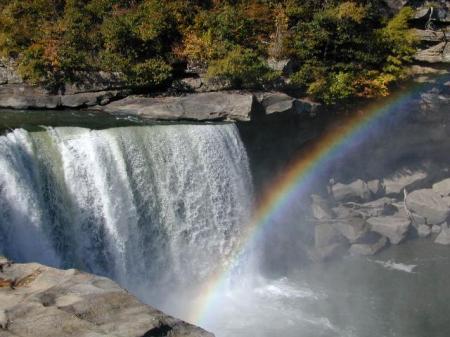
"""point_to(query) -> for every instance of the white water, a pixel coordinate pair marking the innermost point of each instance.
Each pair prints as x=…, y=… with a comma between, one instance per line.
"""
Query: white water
x=154, y=207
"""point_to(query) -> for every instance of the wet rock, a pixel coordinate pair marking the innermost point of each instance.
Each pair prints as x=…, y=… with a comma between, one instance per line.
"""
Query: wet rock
x=320, y=208
x=444, y=236
x=357, y=190
x=89, y=99
x=394, y=227
x=435, y=229
x=429, y=205
x=353, y=229
x=201, y=107
x=325, y=235
x=367, y=249
x=442, y=187
x=49, y=302
x=424, y=231
x=408, y=179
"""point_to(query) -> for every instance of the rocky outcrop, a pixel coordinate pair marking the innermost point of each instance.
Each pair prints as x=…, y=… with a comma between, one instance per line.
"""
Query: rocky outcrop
x=23, y=96
x=404, y=179
x=36, y=300
x=393, y=227
x=357, y=190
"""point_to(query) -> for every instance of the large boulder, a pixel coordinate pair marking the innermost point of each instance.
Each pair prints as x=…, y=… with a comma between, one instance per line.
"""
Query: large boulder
x=444, y=236
x=393, y=227
x=202, y=107
x=328, y=243
x=320, y=208
x=371, y=248
x=442, y=187
x=276, y=102
x=353, y=229
x=439, y=53
x=408, y=179
x=357, y=190
x=36, y=300
x=429, y=205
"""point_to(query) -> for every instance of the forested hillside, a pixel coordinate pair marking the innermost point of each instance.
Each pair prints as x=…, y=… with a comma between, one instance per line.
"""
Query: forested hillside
x=338, y=49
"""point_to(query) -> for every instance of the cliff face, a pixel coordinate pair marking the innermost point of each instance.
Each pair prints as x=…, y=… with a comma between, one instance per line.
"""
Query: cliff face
x=36, y=300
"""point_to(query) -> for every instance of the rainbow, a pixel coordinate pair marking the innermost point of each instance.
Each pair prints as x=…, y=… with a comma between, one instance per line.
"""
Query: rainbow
x=299, y=177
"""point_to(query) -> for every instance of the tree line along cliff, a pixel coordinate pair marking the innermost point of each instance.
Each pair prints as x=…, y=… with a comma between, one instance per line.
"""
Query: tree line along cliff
x=332, y=50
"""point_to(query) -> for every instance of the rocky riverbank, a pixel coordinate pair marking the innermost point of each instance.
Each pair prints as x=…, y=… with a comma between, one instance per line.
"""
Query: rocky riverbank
x=36, y=300
x=364, y=217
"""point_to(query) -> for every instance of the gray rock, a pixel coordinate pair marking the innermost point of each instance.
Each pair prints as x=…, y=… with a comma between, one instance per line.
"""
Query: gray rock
x=357, y=190
x=375, y=186
x=382, y=206
x=439, y=53
x=325, y=235
x=202, y=107
x=353, y=229
x=320, y=208
x=304, y=106
x=424, y=231
x=393, y=227
x=48, y=302
x=444, y=236
x=286, y=66
x=89, y=99
x=429, y=205
x=442, y=187
x=429, y=35
x=3, y=319
x=367, y=249
x=276, y=102
x=406, y=178
x=435, y=229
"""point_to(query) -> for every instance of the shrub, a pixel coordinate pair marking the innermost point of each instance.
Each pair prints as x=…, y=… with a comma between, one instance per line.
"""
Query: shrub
x=243, y=68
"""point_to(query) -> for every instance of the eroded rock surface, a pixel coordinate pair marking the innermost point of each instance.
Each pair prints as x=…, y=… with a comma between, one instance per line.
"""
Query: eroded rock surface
x=39, y=301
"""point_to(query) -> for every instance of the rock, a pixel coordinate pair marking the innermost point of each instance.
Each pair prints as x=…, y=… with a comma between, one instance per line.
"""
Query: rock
x=447, y=200
x=429, y=35
x=49, y=302
x=89, y=99
x=304, y=106
x=439, y=53
x=367, y=249
x=328, y=252
x=325, y=235
x=286, y=66
x=382, y=206
x=276, y=102
x=3, y=319
x=353, y=229
x=435, y=229
x=422, y=13
x=444, y=236
x=320, y=208
x=424, y=231
x=408, y=179
x=393, y=227
x=357, y=190
x=201, y=107
x=429, y=205
x=442, y=187
x=375, y=186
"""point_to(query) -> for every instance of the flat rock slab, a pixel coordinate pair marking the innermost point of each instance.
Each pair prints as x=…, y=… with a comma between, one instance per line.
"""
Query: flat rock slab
x=393, y=227
x=404, y=179
x=357, y=190
x=429, y=205
x=48, y=302
x=200, y=107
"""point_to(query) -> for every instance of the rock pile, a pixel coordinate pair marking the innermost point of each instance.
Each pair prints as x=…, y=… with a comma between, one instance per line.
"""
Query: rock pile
x=362, y=218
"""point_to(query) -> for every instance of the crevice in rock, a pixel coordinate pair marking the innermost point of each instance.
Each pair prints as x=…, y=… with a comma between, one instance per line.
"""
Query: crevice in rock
x=160, y=331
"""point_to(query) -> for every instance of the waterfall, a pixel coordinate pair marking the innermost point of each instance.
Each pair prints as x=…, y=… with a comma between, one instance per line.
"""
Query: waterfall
x=147, y=205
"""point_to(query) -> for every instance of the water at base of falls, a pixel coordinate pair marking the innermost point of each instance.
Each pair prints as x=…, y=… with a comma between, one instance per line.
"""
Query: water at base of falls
x=154, y=207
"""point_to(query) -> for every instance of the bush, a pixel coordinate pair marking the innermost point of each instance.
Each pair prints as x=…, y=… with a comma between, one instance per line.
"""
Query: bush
x=242, y=68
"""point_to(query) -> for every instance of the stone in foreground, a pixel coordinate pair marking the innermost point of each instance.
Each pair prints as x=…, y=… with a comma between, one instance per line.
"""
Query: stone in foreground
x=393, y=227
x=39, y=301
x=444, y=236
